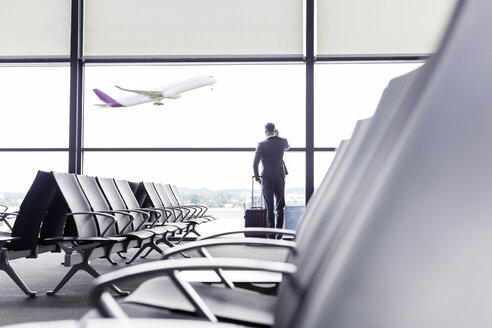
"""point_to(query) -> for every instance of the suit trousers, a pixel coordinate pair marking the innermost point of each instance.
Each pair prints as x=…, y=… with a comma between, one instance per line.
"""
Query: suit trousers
x=273, y=194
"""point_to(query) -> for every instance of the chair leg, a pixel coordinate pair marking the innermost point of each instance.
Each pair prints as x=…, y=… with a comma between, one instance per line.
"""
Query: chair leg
x=110, y=260
x=187, y=232
x=183, y=237
x=165, y=241
x=67, y=277
x=146, y=254
x=107, y=255
x=156, y=248
x=120, y=255
x=194, y=231
x=5, y=266
x=153, y=246
x=138, y=253
x=84, y=266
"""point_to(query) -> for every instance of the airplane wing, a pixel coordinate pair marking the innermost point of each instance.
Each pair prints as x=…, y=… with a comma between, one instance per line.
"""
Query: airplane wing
x=154, y=94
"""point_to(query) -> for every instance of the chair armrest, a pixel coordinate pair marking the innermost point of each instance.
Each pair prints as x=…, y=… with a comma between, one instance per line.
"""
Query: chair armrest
x=228, y=241
x=179, y=212
x=203, y=209
x=78, y=239
x=198, y=210
x=113, y=220
x=190, y=212
x=145, y=214
x=251, y=230
x=4, y=216
x=151, y=210
x=122, y=212
x=5, y=239
x=109, y=308
x=81, y=243
x=157, y=209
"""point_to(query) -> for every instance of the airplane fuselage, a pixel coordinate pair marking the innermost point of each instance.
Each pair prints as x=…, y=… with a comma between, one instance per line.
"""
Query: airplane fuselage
x=171, y=91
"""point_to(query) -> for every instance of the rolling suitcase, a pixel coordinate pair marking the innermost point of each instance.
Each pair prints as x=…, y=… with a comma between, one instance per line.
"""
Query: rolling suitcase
x=255, y=217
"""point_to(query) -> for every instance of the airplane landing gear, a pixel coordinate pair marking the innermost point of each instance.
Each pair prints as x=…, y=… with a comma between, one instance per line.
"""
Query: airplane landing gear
x=158, y=103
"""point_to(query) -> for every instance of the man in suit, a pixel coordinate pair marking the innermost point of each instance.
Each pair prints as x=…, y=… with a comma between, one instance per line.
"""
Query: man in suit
x=271, y=154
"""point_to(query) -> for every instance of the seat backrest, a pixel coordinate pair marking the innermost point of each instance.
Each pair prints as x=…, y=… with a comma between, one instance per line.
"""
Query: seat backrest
x=352, y=177
x=55, y=223
x=74, y=197
x=127, y=194
x=177, y=194
x=311, y=221
x=161, y=192
x=98, y=202
x=138, y=190
x=170, y=194
x=32, y=212
x=325, y=183
x=156, y=201
x=167, y=201
x=304, y=222
x=115, y=200
x=414, y=253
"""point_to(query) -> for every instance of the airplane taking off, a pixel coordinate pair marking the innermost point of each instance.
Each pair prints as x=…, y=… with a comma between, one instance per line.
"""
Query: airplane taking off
x=172, y=91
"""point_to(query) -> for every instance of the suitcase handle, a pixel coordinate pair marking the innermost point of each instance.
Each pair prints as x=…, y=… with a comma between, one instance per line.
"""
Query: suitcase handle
x=253, y=192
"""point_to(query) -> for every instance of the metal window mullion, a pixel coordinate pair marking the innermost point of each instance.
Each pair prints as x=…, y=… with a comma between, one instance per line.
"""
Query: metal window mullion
x=309, y=99
x=76, y=80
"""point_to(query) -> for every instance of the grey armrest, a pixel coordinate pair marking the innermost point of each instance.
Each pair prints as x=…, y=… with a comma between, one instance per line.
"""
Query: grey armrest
x=113, y=222
x=144, y=213
x=151, y=210
x=229, y=241
x=4, y=216
x=5, y=239
x=71, y=244
x=251, y=230
x=122, y=212
x=109, y=308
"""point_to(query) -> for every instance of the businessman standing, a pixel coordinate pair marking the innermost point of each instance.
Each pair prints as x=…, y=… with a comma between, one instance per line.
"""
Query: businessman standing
x=271, y=154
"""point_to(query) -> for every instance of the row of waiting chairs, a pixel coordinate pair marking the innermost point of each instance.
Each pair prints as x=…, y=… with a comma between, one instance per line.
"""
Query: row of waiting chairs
x=397, y=235
x=88, y=217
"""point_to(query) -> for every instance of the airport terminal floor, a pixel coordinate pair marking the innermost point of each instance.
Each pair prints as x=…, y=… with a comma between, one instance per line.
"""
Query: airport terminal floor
x=72, y=302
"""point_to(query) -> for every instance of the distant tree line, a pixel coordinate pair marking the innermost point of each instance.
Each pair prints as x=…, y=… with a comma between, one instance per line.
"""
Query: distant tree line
x=225, y=198
x=12, y=199
x=213, y=199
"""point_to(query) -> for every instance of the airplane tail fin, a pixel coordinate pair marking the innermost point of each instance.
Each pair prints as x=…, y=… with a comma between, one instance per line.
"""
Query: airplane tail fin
x=107, y=99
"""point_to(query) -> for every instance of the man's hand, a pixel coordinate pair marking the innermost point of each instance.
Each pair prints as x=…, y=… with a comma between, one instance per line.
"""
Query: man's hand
x=259, y=181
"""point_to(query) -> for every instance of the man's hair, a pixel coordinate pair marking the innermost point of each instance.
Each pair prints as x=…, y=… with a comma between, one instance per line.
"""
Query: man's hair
x=270, y=127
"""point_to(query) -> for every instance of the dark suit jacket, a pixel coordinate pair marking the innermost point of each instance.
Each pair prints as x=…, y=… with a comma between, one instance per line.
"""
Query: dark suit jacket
x=271, y=154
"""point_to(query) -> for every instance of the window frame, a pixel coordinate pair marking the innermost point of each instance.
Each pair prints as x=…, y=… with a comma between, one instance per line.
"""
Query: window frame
x=77, y=62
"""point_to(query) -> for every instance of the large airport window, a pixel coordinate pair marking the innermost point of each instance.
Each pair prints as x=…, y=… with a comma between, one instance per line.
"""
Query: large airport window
x=35, y=107
x=20, y=168
x=207, y=173
x=345, y=93
x=233, y=114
